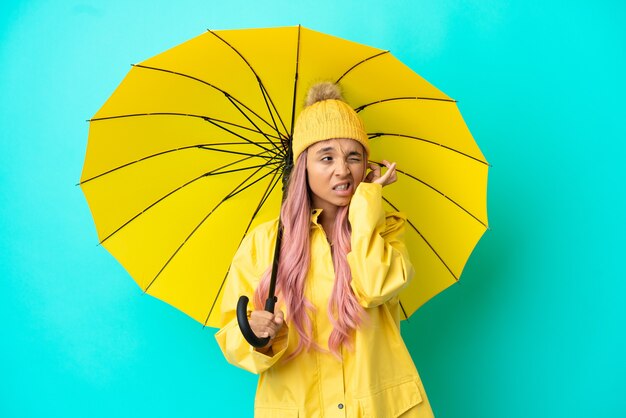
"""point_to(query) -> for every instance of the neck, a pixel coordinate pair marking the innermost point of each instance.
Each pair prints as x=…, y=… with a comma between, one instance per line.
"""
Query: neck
x=327, y=220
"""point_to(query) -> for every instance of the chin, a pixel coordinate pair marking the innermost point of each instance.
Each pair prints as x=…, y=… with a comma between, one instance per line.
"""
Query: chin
x=343, y=203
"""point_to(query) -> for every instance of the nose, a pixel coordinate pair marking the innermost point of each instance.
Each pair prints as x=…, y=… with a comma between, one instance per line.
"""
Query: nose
x=342, y=168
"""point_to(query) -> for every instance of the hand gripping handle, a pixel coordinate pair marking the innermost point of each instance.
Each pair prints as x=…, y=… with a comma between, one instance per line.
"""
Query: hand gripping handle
x=244, y=324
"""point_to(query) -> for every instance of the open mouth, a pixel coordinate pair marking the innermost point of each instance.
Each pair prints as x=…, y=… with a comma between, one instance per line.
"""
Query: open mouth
x=342, y=187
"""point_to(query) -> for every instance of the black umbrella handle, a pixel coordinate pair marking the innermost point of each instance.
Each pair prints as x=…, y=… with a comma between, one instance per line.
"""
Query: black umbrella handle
x=242, y=304
x=244, y=324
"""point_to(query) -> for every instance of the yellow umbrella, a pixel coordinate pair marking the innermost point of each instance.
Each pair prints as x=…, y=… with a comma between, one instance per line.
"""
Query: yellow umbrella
x=187, y=156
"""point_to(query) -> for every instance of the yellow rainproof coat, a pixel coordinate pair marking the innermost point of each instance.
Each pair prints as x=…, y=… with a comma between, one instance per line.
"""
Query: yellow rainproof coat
x=377, y=378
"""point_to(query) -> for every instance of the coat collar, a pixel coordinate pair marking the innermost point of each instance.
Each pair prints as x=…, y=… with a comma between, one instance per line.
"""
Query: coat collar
x=315, y=213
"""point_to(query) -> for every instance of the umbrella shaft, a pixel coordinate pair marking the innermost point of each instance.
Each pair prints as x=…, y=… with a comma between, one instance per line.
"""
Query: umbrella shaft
x=272, y=290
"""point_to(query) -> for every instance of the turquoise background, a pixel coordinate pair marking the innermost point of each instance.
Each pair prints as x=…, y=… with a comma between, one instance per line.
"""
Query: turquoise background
x=537, y=325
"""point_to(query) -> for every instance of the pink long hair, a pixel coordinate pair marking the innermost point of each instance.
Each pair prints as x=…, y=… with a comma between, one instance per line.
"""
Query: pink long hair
x=344, y=311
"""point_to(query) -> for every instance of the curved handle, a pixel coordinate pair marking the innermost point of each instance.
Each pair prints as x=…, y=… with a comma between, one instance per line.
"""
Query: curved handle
x=270, y=302
x=244, y=324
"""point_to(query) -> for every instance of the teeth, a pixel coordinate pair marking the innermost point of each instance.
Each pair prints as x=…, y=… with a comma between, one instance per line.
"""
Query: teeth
x=341, y=187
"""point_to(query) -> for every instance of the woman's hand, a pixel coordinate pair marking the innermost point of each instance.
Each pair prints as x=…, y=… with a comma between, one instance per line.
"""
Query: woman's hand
x=266, y=324
x=374, y=176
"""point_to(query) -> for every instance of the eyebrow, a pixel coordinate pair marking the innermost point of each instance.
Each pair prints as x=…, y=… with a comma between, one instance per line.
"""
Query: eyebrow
x=327, y=149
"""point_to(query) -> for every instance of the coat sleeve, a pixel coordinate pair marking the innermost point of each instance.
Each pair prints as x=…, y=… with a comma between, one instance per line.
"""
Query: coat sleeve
x=247, y=267
x=378, y=260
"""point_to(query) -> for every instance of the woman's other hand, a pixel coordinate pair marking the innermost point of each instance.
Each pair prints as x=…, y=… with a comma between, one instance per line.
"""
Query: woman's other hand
x=375, y=176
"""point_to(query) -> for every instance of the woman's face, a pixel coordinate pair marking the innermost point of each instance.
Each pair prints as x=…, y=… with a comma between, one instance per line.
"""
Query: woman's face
x=334, y=169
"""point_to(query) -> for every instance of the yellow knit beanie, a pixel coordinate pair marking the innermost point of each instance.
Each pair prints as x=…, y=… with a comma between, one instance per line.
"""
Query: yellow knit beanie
x=326, y=116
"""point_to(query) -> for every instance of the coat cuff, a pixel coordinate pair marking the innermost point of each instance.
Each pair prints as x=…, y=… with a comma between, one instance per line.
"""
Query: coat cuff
x=241, y=354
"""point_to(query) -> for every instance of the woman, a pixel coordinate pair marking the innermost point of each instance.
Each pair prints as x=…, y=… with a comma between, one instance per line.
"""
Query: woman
x=335, y=348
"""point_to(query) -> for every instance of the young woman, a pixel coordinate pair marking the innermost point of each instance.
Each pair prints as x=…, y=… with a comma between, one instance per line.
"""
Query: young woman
x=335, y=348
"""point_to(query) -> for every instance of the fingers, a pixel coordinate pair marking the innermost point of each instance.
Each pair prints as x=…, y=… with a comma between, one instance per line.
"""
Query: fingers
x=375, y=169
x=266, y=324
x=279, y=318
x=390, y=176
x=375, y=176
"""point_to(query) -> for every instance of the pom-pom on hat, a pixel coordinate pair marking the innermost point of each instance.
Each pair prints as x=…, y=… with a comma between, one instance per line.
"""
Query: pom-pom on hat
x=326, y=116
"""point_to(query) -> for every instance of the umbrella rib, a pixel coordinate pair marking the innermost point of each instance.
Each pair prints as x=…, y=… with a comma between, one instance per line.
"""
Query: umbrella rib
x=212, y=122
x=426, y=241
x=200, y=146
x=265, y=196
x=265, y=134
x=438, y=191
x=264, y=91
x=236, y=192
x=202, y=222
x=268, y=191
x=266, y=96
x=391, y=99
x=206, y=118
x=295, y=82
x=228, y=95
x=379, y=134
x=208, y=148
x=208, y=174
x=406, y=317
x=359, y=63
x=253, y=124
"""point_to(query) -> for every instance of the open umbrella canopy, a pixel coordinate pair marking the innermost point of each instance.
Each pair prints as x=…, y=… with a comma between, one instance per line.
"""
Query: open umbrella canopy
x=188, y=153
